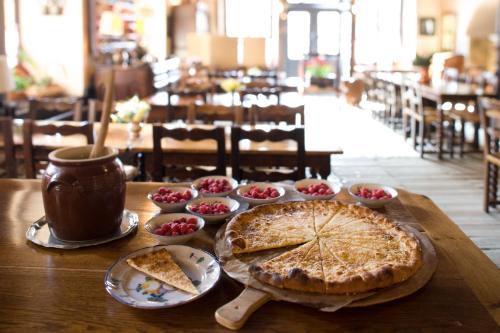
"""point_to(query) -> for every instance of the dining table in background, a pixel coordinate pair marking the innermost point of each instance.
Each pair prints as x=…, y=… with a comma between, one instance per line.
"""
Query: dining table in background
x=438, y=92
x=63, y=290
x=254, y=154
x=441, y=91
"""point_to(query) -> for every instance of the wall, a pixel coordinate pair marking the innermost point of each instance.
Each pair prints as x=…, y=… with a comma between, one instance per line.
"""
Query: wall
x=475, y=22
x=56, y=43
x=427, y=45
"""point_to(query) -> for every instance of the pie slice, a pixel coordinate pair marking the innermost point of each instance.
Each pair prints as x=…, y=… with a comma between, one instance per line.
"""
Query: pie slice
x=323, y=213
x=279, y=270
x=333, y=269
x=161, y=266
x=271, y=226
x=308, y=274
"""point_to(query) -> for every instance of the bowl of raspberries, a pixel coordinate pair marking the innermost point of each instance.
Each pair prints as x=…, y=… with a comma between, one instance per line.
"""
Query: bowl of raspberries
x=215, y=186
x=316, y=189
x=176, y=228
x=372, y=195
x=260, y=193
x=172, y=198
x=213, y=209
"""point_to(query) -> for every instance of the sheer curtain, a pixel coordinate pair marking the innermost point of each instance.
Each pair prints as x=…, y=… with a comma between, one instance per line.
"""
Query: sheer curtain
x=385, y=31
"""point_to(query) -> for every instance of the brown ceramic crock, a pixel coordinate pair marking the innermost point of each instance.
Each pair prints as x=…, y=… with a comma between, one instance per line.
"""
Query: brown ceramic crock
x=83, y=198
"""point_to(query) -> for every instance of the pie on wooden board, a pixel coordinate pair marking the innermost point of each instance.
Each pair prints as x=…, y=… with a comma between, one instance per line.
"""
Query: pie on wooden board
x=343, y=248
x=161, y=266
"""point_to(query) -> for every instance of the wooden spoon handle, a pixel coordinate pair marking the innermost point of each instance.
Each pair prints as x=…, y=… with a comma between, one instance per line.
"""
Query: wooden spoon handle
x=98, y=147
x=234, y=314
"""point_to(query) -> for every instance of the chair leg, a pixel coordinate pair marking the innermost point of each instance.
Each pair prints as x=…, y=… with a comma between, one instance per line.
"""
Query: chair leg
x=422, y=138
x=452, y=137
x=414, y=132
x=462, y=138
x=486, y=197
x=405, y=126
x=477, y=126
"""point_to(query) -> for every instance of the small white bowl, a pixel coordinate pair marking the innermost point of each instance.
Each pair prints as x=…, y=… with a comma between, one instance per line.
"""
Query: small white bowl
x=158, y=220
x=306, y=182
x=261, y=186
x=353, y=189
x=173, y=207
x=232, y=182
x=213, y=218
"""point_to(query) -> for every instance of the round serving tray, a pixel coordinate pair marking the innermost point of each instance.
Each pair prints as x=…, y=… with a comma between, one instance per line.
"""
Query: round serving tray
x=235, y=313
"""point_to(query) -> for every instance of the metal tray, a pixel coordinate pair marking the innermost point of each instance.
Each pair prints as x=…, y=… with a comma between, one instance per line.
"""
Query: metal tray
x=40, y=233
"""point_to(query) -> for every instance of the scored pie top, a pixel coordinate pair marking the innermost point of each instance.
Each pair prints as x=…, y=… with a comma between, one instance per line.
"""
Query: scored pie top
x=343, y=248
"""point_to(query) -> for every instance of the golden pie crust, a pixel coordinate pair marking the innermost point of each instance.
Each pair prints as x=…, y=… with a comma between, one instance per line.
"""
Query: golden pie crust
x=343, y=249
x=161, y=266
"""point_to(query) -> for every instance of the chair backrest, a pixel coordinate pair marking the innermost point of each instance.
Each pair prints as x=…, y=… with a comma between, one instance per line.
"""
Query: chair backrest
x=31, y=157
x=55, y=109
x=8, y=147
x=171, y=113
x=489, y=110
x=275, y=135
x=208, y=113
x=186, y=169
x=277, y=114
x=411, y=98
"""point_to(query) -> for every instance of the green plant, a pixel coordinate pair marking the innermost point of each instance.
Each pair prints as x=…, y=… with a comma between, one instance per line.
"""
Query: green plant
x=422, y=61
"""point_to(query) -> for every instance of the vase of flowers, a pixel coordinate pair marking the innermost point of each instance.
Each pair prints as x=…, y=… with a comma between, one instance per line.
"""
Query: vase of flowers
x=231, y=86
x=132, y=112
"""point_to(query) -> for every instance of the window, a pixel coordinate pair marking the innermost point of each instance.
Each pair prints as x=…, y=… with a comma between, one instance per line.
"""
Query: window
x=328, y=32
x=298, y=27
x=378, y=32
x=248, y=18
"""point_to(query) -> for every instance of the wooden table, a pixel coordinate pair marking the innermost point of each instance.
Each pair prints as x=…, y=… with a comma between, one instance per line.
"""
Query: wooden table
x=62, y=291
x=318, y=151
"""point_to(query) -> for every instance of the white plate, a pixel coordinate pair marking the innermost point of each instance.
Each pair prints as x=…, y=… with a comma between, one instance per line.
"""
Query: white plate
x=131, y=287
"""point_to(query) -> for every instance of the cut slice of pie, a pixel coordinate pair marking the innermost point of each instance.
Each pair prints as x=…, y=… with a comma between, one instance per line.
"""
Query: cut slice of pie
x=271, y=226
x=324, y=212
x=308, y=274
x=277, y=270
x=161, y=266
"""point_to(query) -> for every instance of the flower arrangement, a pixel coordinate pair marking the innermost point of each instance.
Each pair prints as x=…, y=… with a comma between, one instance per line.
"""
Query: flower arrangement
x=133, y=110
x=318, y=67
x=230, y=85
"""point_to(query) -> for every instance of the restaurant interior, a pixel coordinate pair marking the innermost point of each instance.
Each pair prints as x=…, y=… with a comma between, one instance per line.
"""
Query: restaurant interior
x=280, y=165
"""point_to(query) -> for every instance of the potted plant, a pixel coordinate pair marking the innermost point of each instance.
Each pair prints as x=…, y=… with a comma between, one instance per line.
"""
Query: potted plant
x=423, y=63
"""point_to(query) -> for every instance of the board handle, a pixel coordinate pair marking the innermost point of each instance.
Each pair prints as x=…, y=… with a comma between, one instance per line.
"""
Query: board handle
x=234, y=314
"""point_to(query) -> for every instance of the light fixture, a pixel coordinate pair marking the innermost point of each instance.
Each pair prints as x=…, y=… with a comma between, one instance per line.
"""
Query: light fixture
x=175, y=2
x=52, y=7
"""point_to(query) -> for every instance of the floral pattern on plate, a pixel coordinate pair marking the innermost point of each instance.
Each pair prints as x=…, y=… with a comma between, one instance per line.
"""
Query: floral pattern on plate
x=134, y=288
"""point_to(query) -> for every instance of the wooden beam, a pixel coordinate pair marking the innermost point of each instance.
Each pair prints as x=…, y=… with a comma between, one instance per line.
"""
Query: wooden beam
x=2, y=28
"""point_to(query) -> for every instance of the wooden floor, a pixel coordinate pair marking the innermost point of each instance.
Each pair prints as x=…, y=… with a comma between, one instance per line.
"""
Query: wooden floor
x=377, y=154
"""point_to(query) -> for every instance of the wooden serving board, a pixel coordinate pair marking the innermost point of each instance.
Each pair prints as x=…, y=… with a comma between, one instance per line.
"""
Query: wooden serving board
x=234, y=314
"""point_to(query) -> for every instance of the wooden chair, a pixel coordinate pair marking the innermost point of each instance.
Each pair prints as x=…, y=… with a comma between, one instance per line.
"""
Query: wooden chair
x=186, y=169
x=423, y=119
x=208, y=113
x=277, y=114
x=171, y=113
x=32, y=157
x=8, y=148
x=490, y=121
x=55, y=109
x=271, y=172
x=258, y=88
